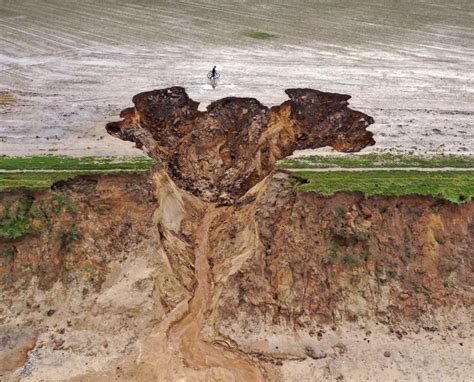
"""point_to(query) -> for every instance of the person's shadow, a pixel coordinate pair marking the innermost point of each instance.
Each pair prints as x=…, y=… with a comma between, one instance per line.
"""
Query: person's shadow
x=213, y=83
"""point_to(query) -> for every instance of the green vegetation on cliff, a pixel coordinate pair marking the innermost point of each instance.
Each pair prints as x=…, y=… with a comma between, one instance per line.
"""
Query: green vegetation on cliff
x=457, y=187
x=40, y=228
x=15, y=220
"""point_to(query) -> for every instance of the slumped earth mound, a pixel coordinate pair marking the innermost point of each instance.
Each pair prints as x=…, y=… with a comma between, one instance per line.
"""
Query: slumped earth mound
x=221, y=153
x=212, y=267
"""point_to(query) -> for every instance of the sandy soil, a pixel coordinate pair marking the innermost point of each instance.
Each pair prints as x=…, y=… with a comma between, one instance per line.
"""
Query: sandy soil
x=68, y=67
x=370, y=353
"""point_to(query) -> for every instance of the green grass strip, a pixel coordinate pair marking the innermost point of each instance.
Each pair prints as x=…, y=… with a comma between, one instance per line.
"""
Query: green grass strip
x=41, y=180
x=378, y=160
x=54, y=162
x=457, y=187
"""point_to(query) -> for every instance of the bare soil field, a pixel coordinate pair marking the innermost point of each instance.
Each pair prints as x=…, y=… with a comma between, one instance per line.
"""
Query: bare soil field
x=66, y=67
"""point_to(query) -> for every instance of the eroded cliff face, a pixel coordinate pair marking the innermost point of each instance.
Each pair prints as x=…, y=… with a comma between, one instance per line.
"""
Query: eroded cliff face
x=220, y=154
x=279, y=263
x=89, y=267
x=174, y=275
x=311, y=260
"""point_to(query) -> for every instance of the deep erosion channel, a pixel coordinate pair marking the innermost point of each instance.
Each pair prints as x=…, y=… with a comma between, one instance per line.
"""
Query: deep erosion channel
x=185, y=335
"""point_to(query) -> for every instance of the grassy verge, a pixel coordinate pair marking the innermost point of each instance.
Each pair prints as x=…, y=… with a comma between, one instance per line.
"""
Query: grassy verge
x=33, y=180
x=457, y=187
x=54, y=162
x=378, y=160
x=69, y=167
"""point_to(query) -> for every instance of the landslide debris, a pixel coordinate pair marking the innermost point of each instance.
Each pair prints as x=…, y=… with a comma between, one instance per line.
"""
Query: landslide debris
x=132, y=277
x=221, y=153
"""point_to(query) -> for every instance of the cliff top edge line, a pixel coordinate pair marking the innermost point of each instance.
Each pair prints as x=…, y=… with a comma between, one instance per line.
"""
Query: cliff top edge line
x=219, y=154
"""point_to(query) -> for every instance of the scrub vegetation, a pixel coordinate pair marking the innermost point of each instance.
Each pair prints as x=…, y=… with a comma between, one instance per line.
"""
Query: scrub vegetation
x=15, y=219
x=22, y=215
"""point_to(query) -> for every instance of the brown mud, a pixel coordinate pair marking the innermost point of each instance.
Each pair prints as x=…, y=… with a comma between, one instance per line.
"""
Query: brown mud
x=185, y=335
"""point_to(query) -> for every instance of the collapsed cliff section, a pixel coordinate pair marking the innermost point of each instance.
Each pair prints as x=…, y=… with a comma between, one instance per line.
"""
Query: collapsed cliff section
x=276, y=268
x=212, y=267
x=221, y=153
x=306, y=260
x=306, y=283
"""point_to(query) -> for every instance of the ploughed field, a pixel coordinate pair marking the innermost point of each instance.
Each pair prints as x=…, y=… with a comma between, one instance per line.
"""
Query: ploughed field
x=68, y=67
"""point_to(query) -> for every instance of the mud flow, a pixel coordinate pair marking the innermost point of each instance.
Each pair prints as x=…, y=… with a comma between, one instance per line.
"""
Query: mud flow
x=185, y=336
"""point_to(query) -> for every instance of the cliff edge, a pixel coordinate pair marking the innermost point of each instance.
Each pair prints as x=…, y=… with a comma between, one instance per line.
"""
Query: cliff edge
x=221, y=153
x=214, y=267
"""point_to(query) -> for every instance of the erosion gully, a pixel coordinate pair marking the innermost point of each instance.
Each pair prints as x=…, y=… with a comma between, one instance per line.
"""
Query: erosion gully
x=185, y=335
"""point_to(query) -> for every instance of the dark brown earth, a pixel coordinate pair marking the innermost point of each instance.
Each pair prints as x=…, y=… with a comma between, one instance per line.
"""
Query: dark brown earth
x=221, y=153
